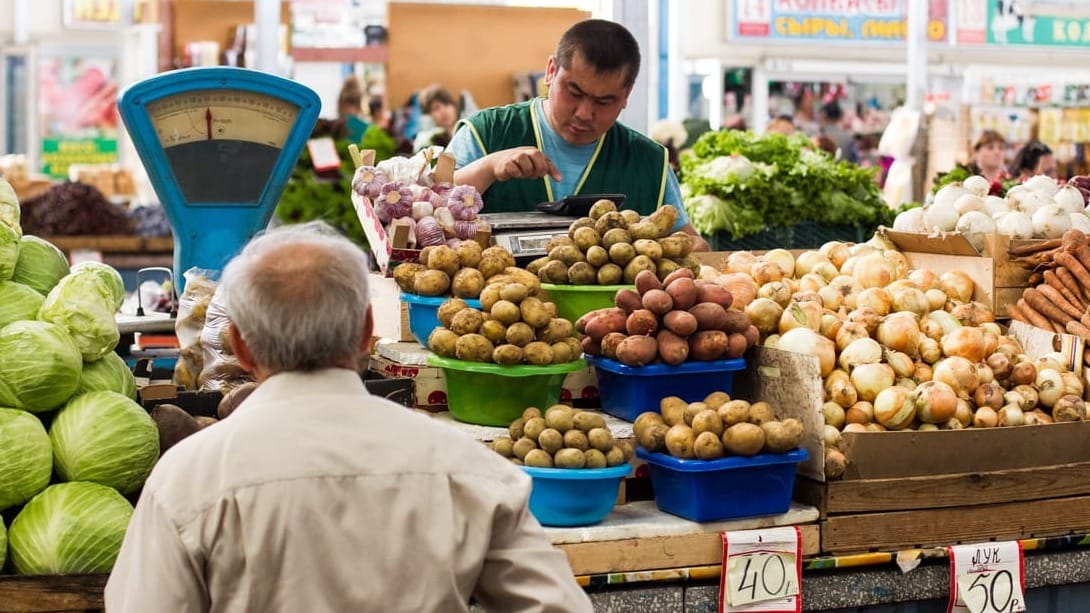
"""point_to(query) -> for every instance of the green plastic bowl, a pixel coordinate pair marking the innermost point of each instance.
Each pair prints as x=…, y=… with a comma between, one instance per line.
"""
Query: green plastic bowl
x=489, y=394
x=575, y=301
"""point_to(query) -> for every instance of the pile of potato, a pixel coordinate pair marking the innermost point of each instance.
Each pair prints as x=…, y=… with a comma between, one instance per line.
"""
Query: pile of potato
x=562, y=437
x=611, y=247
x=673, y=321
x=715, y=427
x=461, y=271
x=513, y=326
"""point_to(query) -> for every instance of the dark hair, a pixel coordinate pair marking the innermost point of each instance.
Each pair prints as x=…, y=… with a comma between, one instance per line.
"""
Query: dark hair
x=1029, y=156
x=433, y=95
x=988, y=137
x=605, y=45
x=832, y=111
x=350, y=98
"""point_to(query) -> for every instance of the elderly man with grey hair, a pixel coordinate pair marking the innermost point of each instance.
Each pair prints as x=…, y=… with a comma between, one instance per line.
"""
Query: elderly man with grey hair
x=316, y=496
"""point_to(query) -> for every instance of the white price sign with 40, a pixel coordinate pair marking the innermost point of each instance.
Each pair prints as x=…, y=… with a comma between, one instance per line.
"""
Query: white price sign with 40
x=762, y=571
x=987, y=578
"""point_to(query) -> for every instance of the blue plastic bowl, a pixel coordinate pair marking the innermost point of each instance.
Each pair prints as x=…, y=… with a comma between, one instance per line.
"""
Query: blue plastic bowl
x=626, y=391
x=726, y=488
x=574, y=496
x=424, y=313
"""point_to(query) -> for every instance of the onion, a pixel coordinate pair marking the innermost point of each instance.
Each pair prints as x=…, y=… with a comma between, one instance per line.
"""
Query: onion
x=940, y=217
x=1072, y=384
x=861, y=413
x=930, y=350
x=834, y=415
x=801, y=314
x=1069, y=408
x=849, y=332
x=1050, y=387
x=1050, y=221
x=741, y=261
x=779, y=291
x=957, y=285
x=772, y=340
x=1080, y=222
x=876, y=298
x=1027, y=200
x=805, y=340
x=764, y=313
x=936, y=298
x=1029, y=394
x=1000, y=363
x=901, y=363
x=995, y=206
x=1069, y=198
x=1011, y=415
x=924, y=279
x=852, y=427
x=958, y=373
x=811, y=282
x=912, y=300
x=839, y=389
x=836, y=251
x=873, y=270
x=860, y=351
x=990, y=327
x=741, y=286
x=970, y=203
x=966, y=342
x=830, y=324
x=975, y=226
x=985, y=373
x=828, y=271
x=936, y=402
x=985, y=417
x=831, y=297
x=964, y=413
x=806, y=260
x=1015, y=224
x=988, y=395
x=1023, y=372
x=1013, y=397
x=1043, y=184
x=976, y=184
x=765, y=272
x=926, y=428
x=1053, y=359
x=869, y=379
x=894, y=407
x=1009, y=346
x=783, y=259
x=905, y=382
x=900, y=332
x=849, y=288
x=899, y=263
x=910, y=221
x=949, y=193
x=972, y=313
x=924, y=372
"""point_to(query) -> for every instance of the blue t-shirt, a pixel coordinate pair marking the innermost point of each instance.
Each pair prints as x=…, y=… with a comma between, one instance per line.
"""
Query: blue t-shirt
x=570, y=160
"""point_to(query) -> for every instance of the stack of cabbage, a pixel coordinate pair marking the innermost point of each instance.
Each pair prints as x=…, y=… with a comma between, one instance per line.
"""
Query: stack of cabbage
x=73, y=441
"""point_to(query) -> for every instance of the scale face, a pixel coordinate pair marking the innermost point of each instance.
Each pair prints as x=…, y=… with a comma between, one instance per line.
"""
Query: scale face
x=219, y=145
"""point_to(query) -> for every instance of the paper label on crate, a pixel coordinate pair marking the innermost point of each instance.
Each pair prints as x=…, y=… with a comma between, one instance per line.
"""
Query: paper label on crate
x=987, y=578
x=376, y=235
x=762, y=571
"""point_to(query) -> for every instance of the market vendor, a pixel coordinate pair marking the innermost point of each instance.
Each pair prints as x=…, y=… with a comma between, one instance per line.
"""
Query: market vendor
x=546, y=149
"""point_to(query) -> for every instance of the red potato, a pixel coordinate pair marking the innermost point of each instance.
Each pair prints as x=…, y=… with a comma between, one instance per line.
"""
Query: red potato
x=608, y=320
x=628, y=300
x=647, y=280
x=642, y=321
x=590, y=346
x=680, y=273
x=637, y=350
x=673, y=349
x=708, y=345
x=709, y=316
x=708, y=291
x=658, y=301
x=610, y=344
x=736, y=345
x=752, y=335
x=683, y=292
x=736, y=321
x=681, y=323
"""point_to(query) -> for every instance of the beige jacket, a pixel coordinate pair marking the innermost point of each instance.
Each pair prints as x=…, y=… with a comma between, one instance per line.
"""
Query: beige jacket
x=316, y=496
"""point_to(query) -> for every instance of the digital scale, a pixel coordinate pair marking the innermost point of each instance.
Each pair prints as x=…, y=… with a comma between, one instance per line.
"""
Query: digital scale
x=525, y=234
x=218, y=144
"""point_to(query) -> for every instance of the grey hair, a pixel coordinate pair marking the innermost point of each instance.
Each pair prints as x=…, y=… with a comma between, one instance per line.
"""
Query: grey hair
x=298, y=296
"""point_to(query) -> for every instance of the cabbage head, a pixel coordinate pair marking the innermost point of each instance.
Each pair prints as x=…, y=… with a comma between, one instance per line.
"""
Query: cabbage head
x=18, y=301
x=9, y=207
x=40, y=265
x=108, y=279
x=85, y=304
x=26, y=458
x=3, y=543
x=9, y=251
x=40, y=366
x=105, y=438
x=110, y=374
x=69, y=528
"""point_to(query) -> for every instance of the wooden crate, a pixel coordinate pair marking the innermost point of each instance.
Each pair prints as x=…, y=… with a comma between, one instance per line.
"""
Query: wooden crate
x=52, y=593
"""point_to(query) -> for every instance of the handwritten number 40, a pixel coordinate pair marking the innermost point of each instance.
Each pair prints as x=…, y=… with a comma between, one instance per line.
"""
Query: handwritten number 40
x=997, y=591
x=771, y=580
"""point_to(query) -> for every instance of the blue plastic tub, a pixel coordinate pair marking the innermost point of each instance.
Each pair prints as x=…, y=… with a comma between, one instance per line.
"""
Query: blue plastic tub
x=727, y=488
x=627, y=391
x=424, y=313
x=574, y=496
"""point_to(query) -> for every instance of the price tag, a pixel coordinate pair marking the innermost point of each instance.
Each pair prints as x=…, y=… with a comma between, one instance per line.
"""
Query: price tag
x=987, y=578
x=762, y=571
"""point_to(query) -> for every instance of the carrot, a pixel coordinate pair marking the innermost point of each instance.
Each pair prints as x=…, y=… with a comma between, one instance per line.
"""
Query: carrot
x=1083, y=255
x=1068, y=279
x=1051, y=278
x=1072, y=240
x=1016, y=314
x=1035, y=247
x=1075, y=266
x=1033, y=317
x=1054, y=296
x=1085, y=319
x=1040, y=303
x=1076, y=328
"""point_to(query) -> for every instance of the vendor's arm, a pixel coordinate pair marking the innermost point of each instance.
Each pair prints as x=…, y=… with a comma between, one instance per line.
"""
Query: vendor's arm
x=481, y=171
x=673, y=198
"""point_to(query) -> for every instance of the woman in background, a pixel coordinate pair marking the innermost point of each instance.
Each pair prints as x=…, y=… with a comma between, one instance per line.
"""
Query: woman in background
x=988, y=156
x=1034, y=158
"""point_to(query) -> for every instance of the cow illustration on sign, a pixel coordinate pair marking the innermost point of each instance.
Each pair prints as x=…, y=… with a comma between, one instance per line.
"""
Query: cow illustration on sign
x=1009, y=15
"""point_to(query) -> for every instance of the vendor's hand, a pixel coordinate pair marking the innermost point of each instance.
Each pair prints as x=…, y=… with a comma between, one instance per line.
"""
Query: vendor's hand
x=523, y=163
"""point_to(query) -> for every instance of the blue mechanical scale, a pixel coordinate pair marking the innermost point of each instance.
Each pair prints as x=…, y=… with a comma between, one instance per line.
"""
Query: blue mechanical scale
x=219, y=145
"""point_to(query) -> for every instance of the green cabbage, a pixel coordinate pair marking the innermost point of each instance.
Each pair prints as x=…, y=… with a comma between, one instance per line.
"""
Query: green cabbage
x=85, y=303
x=9, y=251
x=40, y=366
x=9, y=207
x=26, y=458
x=18, y=301
x=110, y=374
x=3, y=543
x=40, y=265
x=69, y=528
x=106, y=438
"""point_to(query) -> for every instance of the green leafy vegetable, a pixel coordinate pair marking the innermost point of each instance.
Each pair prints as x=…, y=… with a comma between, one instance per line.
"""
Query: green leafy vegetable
x=110, y=374
x=40, y=265
x=3, y=543
x=774, y=180
x=9, y=207
x=9, y=251
x=69, y=528
x=26, y=457
x=40, y=365
x=104, y=437
x=17, y=302
x=85, y=303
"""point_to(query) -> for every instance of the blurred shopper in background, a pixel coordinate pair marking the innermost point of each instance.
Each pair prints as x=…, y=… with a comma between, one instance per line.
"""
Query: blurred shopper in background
x=441, y=108
x=782, y=124
x=988, y=156
x=831, y=116
x=1034, y=158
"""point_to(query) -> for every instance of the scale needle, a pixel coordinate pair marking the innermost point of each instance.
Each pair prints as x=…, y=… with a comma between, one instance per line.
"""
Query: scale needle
x=208, y=120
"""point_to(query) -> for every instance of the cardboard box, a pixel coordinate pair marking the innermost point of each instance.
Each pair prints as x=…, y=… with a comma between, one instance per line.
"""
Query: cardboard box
x=391, y=314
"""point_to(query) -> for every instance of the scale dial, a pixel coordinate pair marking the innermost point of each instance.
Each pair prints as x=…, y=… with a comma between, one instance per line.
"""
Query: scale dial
x=222, y=144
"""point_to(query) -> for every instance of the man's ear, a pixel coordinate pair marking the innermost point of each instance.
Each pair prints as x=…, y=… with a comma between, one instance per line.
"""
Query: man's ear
x=239, y=348
x=552, y=66
x=368, y=330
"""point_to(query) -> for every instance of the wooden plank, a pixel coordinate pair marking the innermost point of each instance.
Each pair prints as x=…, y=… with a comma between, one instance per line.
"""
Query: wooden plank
x=661, y=552
x=1005, y=297
x=955, y=490
x=841, y=534
x=51, y=593
x=811, y=492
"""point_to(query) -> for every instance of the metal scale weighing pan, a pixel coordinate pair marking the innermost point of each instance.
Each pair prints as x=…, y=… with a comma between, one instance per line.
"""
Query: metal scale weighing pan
x=526, y=234
x=218, y=144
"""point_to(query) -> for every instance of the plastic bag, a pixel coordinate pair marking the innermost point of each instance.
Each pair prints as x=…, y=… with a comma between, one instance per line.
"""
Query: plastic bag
x=200, y=284
x=221, y=371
